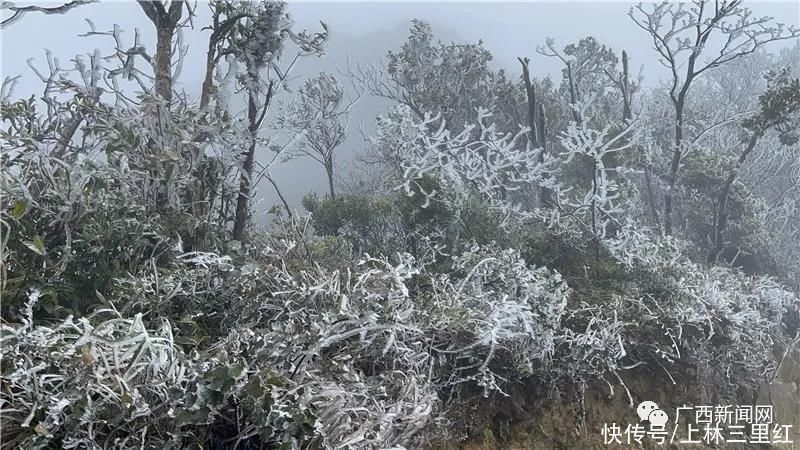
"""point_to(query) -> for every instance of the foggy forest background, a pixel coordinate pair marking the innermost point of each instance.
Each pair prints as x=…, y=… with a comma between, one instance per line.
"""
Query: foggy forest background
x=408, y=250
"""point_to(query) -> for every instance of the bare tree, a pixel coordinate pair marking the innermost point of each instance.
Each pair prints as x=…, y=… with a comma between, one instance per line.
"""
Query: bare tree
x=322, y=116
x=682, y=35
x=258, y=43
x=779, y=107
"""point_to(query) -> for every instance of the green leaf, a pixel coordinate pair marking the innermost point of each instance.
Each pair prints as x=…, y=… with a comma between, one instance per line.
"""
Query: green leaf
x=19, y=209
x=253, y=388
x=185, y=416
x=37, y=245
x=236, y=371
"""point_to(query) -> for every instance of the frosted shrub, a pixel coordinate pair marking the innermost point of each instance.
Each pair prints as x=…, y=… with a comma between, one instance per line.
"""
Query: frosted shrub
x=593, y=346
x=479, y=159
x=722, y=321
x=87, y=386
x=508, y=312
x=382, y=339
x=374, y=354
x=669, y=312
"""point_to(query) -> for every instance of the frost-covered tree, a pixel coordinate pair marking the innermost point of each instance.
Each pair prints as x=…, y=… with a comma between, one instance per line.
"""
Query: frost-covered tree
x=321, y=116
x=258, y=44
x=423, y=311
x=725, y=99
x=224, y=16
x=495, y=167
x=453, y=79
x=779, y=110
x=590, y=69
x=686, y=38
x=478, y=159
x=604, y=201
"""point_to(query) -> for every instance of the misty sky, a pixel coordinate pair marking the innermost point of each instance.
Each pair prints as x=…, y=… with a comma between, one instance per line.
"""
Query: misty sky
x=362, y=31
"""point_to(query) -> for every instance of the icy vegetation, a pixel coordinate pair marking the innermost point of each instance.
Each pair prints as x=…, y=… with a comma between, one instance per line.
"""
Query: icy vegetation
x=543, y=240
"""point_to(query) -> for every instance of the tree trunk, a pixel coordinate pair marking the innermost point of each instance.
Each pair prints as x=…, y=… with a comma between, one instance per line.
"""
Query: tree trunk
x=166, y=23
x=677, y=154
x=242, y=215
x=721, y=219
x=594, y=212
x=329, y=171
x=536, y=135
x=573, y=96
x=208, y=81
x=674, y=165
x=651, y=193
x=626, y=89
x=530, y=94
x=163, y=63
x=542, y=131
x=541, y=128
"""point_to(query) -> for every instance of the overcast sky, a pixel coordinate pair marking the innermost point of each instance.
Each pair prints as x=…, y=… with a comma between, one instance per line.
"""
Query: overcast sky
x=364, y=31
x=508, y=29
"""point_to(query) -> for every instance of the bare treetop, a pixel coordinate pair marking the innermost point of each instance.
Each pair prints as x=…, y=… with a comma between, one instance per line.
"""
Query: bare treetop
x=680, y=32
